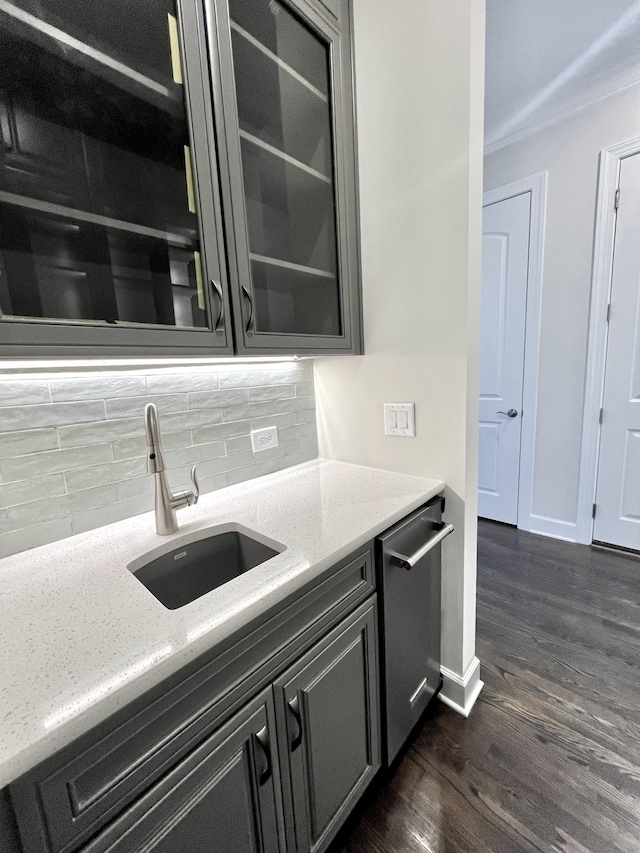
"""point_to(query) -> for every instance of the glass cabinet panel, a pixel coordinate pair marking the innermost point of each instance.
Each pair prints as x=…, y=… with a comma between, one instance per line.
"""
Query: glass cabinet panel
x=284, y=100
x=98, y=215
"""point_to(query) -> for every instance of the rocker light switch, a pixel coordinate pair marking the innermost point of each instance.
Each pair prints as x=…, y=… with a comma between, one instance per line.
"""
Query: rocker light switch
x=400, y=419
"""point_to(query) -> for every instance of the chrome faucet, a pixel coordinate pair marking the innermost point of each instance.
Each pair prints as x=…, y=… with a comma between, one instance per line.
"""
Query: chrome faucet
x=166, y=503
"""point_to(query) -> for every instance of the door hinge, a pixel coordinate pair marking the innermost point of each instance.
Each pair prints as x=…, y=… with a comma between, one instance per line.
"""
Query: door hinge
x=617, y=201
x=608, y=312
x=601, y=416
x=593, y=511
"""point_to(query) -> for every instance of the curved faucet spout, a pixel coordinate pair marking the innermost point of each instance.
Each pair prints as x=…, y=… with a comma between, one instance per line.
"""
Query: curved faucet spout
x=166, y=503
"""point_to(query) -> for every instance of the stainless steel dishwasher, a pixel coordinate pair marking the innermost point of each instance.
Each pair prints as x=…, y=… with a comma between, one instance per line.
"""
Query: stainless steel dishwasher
x=409, y=581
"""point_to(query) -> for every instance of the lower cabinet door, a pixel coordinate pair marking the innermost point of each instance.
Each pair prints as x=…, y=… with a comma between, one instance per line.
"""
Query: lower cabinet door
x=327, y=707
x=223, y=798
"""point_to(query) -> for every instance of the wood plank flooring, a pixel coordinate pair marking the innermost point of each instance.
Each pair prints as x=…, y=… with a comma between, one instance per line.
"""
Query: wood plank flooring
x=550, y=758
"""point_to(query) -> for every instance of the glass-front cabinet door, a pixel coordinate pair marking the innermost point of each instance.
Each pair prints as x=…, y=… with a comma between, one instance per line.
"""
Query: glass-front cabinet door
x=288, y=115
x=110, y=224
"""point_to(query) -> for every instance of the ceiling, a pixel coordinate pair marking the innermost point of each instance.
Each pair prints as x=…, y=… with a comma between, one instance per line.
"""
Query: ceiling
x=547, y=57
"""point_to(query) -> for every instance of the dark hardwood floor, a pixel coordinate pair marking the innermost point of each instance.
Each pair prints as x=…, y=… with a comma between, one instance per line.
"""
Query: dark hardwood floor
x=549, y=759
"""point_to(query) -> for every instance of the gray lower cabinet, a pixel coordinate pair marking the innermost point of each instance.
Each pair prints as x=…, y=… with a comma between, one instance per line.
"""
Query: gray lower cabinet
x=327, y=707
x=261, y=746
x=223, y=798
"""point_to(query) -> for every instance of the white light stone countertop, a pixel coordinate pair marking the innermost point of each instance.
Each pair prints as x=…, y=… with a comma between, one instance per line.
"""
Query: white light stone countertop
x=80, y=636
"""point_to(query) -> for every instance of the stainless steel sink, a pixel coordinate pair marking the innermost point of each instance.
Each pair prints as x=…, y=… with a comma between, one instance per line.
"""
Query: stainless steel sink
x=201, y=564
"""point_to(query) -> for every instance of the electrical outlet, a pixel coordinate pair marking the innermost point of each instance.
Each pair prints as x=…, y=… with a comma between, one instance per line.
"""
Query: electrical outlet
x=263, y=439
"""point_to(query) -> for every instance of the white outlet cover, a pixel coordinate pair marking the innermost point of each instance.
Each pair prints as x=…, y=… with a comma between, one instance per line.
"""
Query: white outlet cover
x=263, y=439
x=400, y=419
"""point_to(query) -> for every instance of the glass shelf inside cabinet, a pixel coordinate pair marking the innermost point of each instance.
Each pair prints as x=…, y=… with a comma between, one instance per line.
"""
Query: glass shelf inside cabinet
x=98, y=221
x=283, y=92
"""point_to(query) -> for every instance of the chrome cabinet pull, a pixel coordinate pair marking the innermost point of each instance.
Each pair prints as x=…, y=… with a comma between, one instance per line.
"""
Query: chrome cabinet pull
x=294, y=709
x=217, y=289
x=512, y=413
x=249, y=302
x=410, y=562
x=262, y=739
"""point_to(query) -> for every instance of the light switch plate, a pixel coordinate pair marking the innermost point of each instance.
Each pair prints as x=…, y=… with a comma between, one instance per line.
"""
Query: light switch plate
x=400, y=419
x=263, y=439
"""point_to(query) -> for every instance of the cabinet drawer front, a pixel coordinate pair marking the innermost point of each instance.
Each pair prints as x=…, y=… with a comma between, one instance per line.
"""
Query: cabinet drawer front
x=72, y=795
x=223, y=796
x=327, y=707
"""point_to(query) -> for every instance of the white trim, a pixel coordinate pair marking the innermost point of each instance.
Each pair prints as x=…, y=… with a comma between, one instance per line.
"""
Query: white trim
x=461, y=692
x=603, y=246
x=553, y=527
x=544, y=124
x=537, y=186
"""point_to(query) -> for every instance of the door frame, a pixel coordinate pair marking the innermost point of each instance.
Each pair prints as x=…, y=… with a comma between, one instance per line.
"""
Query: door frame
x=601, y=280
x=535, y=184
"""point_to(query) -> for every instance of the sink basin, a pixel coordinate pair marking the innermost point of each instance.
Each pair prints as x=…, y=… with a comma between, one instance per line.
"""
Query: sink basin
x=197, y=566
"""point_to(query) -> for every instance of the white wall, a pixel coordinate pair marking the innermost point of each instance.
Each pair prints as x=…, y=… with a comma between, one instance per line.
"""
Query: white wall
x=569, y=151
x=419, y=86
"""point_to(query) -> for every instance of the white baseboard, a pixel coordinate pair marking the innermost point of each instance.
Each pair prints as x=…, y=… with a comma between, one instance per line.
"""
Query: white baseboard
x=461, y=692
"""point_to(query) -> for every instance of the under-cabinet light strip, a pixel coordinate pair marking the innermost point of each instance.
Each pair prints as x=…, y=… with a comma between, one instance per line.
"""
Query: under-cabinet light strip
x=84, y=216
x=257, y=44
x=69, y=366
x=254, y=139
x=74, y=43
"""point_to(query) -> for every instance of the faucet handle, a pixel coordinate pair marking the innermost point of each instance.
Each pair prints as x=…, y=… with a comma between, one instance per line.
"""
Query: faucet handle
x=196, y=487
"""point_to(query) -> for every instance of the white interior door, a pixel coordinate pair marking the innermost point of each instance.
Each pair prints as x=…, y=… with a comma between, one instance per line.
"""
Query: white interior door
x=505, y=259
x=617, y=519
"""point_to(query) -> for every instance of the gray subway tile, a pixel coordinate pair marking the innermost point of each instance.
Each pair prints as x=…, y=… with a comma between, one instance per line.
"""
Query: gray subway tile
x=193, y=454
x=31, y=537
x=130, y=448
x=132, y=406
x=81, y=435
x=144, y=485
x=291, y=374
x=297, y=458
x=181, y=383
x=270, y=392
x=249, y=410
x=52, y=461
x=217, y=399
x=190, y=420
x=36, y=488
x=213, y=483
x=226, y=463
x=238, y=444
x=304, y=389
x=295, y=405
x=217, y=432
x=89, y=519
x=111, y=472
x=24, y=392
x=297, y=431
x=51, y=414
x=96, y=387
x=26, y=515
x=241, y=475
x=306, y=416
x=244, y=378
x=27, y=441
x=280, y=421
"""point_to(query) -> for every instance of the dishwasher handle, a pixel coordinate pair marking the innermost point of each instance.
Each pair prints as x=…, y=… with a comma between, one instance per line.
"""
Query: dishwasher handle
x=411, y=561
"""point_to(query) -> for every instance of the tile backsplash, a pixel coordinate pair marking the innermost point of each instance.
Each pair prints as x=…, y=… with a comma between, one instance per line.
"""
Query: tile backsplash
x=72, y=447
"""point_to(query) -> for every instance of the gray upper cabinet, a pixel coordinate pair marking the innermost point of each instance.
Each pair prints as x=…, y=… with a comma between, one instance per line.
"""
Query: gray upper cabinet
x=110, y=224
x=177, y=176
x=284, y=92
